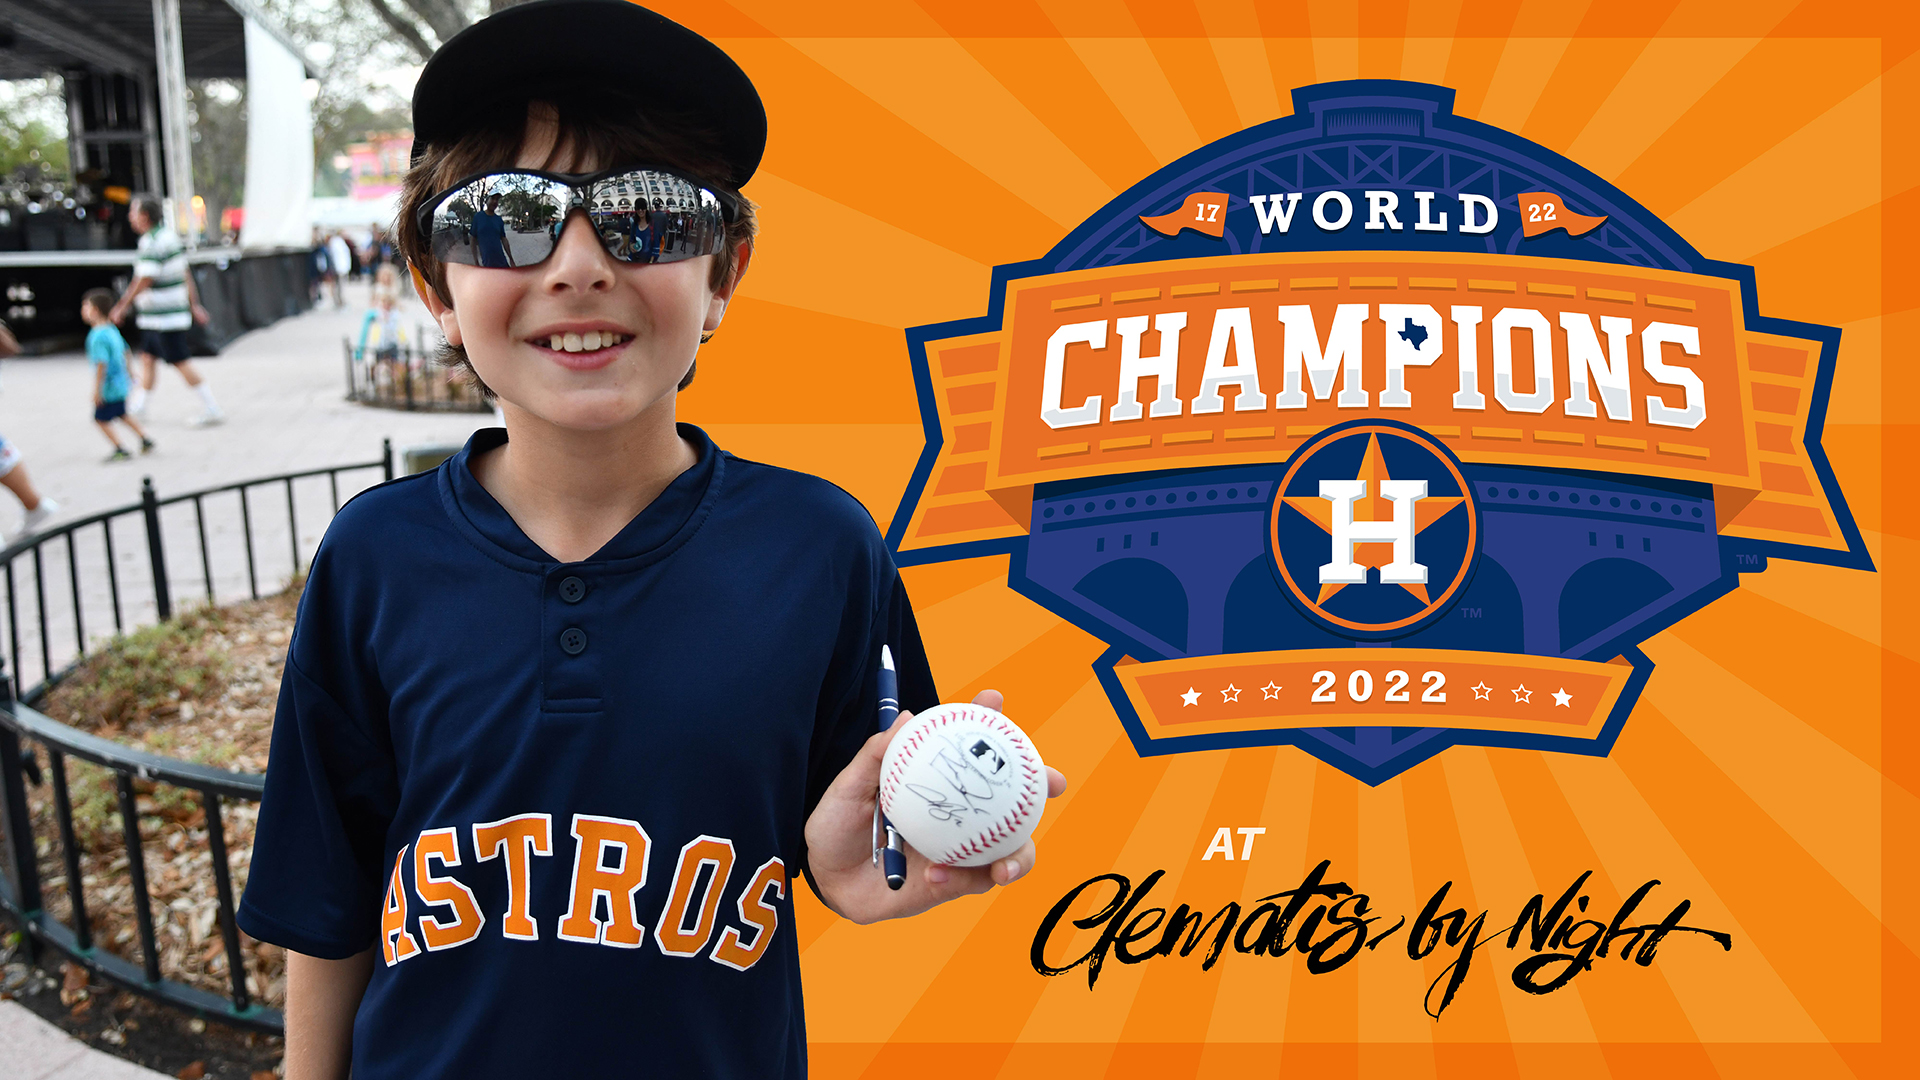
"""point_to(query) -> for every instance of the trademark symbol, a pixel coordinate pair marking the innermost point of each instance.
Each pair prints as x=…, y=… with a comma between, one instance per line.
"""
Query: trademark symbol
x=1469, y=612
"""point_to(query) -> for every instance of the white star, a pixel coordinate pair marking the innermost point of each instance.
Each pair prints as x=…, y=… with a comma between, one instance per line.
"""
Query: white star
x=1191, y=697
x=1481, y=691
x=1231, y=693
x=1561, y=697
x=1523, y=694
x=1270, y=691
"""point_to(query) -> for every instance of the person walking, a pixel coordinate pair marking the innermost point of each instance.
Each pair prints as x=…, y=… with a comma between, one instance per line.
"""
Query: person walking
x=13, y=473
x=163, y=293
x=108, y=352
x=340, y=253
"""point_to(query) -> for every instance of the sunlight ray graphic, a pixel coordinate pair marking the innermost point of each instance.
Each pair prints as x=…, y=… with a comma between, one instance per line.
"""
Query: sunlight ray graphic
x=952, y=628
x=1391, y=986
x=1439, y=857
x=1249, y=79
x=1525, y=67
x=1132, y=77
x=1047, y=78
x=1728, y=996
x=1670, y=75
x=1826, y=679
x=1624, y=1002
x=1176, y=999
x=1774, y=90
x=941, y=89
x=1848, y=603
x=1697, y=806
x=1161, y=832
x=1743, y=214
x=1325, y=1008
x=1824, y=797
x=944, y=285
x=1253, y=991
x=1503, y=881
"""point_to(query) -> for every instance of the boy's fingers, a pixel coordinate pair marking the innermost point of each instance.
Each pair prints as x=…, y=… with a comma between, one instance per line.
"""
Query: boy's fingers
x=1056, y=783
x=992, y=699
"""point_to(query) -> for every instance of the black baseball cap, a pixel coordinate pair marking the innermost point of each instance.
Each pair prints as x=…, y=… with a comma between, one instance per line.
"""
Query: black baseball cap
x=561, y=47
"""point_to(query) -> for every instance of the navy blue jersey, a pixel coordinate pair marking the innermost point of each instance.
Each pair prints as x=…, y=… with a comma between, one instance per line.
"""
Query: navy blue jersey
x=564, y=802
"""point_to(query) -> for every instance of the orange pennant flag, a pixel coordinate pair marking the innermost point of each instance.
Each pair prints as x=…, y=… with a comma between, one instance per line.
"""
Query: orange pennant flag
x=1542, y=212
x=1204, y=211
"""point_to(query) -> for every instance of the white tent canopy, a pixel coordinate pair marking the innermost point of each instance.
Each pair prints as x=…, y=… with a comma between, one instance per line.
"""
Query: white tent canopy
x=279, y=145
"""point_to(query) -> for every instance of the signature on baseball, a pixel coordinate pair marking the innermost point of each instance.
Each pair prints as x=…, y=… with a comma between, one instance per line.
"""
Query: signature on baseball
x=976, y=774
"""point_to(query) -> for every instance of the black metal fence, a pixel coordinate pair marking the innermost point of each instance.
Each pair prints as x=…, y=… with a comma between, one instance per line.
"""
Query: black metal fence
x=408, y=377
x=51, y=629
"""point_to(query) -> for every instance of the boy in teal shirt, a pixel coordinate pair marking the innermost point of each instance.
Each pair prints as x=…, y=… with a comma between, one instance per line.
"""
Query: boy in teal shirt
x=108, y=351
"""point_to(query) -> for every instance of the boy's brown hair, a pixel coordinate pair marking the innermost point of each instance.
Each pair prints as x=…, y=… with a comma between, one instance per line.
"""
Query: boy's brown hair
x=608, y=130
x=100, y=300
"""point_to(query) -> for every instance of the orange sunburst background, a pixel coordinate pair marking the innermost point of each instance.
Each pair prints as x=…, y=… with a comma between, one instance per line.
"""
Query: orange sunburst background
x=1769, y=773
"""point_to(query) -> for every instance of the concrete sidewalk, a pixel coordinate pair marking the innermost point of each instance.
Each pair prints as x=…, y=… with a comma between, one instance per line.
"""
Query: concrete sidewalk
x=32, y=1049
x=283, y=388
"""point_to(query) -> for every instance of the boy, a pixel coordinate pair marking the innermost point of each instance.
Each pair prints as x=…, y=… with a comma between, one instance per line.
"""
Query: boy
x=561, y=720
x=163, y=291
x=108, y=351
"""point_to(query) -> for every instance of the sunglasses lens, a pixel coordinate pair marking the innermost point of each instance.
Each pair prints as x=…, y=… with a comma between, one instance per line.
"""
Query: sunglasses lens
x=645, y=216
x=513, y=219
x=503, y=220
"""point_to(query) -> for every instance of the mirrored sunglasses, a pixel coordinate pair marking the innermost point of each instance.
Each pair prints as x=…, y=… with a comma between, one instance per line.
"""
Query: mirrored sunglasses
x=514, y=217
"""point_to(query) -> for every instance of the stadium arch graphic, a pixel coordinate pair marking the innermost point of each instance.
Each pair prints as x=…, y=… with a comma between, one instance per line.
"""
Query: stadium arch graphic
x=1374, y=430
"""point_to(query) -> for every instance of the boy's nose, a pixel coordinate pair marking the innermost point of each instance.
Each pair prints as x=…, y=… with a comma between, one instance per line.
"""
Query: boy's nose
x=578, y=261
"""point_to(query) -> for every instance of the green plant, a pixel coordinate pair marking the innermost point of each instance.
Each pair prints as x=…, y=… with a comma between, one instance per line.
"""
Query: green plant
x=148, y=671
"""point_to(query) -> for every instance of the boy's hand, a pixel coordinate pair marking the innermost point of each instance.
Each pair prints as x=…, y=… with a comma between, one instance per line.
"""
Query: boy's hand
x=98, y=401
x=839, y=839
x=200, y=315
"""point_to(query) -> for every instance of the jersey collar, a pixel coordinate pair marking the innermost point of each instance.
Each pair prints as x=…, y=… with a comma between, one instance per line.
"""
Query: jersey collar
x=673, y=516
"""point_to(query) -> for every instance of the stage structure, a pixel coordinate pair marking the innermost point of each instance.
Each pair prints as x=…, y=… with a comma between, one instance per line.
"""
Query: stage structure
x=125, y=64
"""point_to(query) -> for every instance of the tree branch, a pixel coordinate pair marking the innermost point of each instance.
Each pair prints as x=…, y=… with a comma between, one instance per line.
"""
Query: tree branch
x=443, y=16
x=407, y=31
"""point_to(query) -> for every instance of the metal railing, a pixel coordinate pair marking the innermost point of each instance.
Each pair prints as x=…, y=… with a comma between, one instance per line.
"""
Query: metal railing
x=103, y=577
x=410, y=378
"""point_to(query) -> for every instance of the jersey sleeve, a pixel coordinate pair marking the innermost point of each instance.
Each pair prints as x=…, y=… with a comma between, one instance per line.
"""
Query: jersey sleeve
x=331, y=793
x=850, y=698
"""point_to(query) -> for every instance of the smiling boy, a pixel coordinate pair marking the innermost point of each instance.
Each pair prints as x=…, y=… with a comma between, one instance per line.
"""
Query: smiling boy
x=561, y=720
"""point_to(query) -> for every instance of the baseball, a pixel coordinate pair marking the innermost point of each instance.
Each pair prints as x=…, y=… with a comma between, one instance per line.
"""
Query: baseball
x=963, y=784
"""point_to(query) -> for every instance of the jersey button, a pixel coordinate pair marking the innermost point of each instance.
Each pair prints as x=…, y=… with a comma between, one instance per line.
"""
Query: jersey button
x=573, y=641
x=572, y=590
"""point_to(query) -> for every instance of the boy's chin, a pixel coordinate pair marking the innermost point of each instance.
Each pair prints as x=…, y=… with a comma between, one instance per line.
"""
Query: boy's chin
x=594, y=410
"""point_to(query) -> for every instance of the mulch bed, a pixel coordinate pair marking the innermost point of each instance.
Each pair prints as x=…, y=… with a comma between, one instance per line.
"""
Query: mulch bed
x=200, y=688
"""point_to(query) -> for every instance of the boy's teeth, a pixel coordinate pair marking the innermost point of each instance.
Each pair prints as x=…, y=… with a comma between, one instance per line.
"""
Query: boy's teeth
x=589, y=341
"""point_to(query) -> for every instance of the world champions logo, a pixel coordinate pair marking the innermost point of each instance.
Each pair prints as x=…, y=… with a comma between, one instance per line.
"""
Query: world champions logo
x=1374, y=430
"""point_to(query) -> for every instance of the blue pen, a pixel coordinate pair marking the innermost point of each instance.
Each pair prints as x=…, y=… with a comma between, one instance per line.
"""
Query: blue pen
x=894, y=853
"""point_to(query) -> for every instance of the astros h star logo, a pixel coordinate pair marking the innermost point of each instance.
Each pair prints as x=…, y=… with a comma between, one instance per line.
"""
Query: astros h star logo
x=1402, y=517
x=1374, y=430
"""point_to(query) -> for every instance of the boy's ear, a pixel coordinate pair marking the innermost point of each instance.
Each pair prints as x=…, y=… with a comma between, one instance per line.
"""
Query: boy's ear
x=442, y=312
x=717, y=309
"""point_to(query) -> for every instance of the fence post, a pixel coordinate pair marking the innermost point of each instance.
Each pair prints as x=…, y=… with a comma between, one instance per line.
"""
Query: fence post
x=353, y=383
x=156, y=552
x=386, y=456
x=25, y=868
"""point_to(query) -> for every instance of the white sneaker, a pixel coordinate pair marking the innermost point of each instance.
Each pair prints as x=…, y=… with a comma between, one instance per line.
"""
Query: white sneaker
x=208, y=419
x=38, y=516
